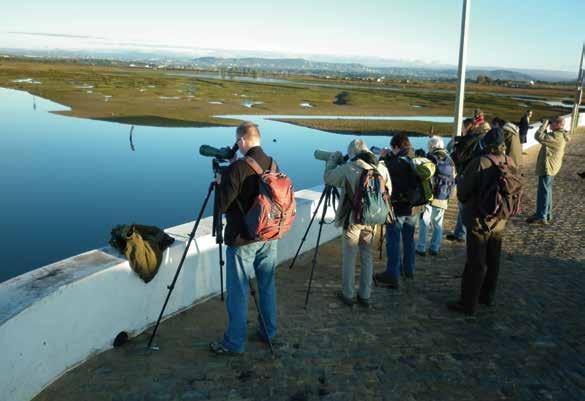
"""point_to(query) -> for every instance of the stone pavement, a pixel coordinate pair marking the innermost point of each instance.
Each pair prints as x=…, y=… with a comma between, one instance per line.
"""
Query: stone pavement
x=409, y=347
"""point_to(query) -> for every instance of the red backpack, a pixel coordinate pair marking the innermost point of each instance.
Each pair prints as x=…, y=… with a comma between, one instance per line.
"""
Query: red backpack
x=274, y=208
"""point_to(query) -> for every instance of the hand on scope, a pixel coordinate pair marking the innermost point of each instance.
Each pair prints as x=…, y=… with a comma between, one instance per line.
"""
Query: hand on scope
x=384, y=152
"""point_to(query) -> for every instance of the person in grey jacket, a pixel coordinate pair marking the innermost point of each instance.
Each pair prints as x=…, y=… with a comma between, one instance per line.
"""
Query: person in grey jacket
x=356, y=236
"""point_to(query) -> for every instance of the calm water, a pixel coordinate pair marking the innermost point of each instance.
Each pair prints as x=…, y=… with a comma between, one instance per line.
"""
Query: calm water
x=67, y=181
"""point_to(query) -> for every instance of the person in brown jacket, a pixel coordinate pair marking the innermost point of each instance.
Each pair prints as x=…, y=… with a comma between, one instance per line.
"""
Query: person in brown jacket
x=484, y=236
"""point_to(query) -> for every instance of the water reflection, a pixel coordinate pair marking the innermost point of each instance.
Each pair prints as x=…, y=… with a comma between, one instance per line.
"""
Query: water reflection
x=131, y=139
x=78, y=177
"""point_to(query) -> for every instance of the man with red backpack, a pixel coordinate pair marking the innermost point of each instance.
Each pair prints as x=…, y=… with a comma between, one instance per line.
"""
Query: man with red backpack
x=490, y=190
x=365, y=202
x=443, y=184
x=245, y=187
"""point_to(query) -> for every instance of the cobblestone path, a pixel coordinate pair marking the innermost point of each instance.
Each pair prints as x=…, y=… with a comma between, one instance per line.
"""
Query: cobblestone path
x=408, y=347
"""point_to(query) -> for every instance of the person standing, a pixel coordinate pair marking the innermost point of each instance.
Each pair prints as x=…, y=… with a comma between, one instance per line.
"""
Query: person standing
x=484, y=235
x=548, y=164
x=400, y=259
x=356, y=234
x=443, y=183
x=458, y=233
x=235, y=192
x=511, y=139
x=524, y=125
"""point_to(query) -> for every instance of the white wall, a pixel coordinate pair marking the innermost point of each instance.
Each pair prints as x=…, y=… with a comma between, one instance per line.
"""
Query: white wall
x=530, y=141
x=55, y=317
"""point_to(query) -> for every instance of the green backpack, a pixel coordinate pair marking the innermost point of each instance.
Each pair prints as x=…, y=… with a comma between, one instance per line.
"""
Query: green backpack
x=421, y=190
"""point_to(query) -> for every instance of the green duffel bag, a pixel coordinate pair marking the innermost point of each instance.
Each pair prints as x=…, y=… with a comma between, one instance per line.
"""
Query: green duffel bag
x=143, y=246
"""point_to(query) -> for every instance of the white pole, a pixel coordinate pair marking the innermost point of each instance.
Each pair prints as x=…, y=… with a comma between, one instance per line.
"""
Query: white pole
x=461, y=73
x=579, y=94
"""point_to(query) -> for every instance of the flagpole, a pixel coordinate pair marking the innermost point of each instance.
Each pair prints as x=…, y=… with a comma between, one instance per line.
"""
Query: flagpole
x=458, y=123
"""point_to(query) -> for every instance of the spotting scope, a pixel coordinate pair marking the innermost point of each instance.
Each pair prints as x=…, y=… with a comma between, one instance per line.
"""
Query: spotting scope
x=225, y=153
x=324, y=156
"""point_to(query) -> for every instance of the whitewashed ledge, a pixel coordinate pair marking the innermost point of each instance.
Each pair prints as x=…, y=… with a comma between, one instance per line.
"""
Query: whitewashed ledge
x=56, y=317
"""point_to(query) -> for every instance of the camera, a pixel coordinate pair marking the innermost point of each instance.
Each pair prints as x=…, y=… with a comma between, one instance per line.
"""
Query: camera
x=225, y=153
x=324, y=156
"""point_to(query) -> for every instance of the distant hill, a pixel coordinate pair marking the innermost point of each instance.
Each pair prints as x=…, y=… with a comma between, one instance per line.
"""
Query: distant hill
x=180, y=58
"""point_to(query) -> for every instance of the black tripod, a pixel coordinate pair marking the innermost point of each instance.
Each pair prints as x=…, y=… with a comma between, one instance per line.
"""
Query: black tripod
x=329, y=197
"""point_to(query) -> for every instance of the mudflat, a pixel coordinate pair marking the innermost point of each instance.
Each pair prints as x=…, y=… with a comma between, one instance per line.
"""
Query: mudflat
x=162, y=98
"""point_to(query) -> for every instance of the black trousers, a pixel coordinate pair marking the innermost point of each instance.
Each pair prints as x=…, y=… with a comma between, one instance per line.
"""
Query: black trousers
x=480, y=276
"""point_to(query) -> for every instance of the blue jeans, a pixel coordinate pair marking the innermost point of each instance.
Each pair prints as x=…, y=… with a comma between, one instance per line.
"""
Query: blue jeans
x=544, y=197
x=403, y=228
x=459, y=227
x=432, y=216
x=261, y=258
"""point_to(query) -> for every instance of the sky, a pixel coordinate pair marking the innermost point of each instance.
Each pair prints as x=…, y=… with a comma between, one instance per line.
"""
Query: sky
x=539, y=34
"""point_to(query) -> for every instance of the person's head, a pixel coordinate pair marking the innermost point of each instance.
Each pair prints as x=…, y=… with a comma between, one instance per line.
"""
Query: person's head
x=557, y=123
x=247, y=136
x=356, y=147
x=467, y=126
x=398, y=142
x=529, y=113
x=494, y=141
x=497, y=122
x=478, y=117
x=435, y=142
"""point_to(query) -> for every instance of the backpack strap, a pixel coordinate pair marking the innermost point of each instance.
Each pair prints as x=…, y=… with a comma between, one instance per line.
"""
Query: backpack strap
x=257, y=168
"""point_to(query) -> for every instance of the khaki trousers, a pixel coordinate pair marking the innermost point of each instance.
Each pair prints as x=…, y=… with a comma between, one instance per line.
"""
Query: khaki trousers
x=357, y=236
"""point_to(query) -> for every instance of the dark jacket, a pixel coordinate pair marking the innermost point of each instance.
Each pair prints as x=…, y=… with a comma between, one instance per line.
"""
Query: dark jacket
x=523, y=128
x=474, y=181
x=239, y=183
x=402, y=177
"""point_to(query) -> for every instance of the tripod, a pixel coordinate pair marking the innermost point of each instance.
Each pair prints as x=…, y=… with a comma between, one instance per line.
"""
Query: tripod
x=329, y=197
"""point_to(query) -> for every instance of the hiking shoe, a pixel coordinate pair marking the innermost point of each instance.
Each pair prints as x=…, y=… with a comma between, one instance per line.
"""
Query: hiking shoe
x=452, y=237
x=536, y=220
x=347, y=301
x=363, y=302
x=421, y=253
x=457, y=306
x=434, y=253
x=219, y=349
x=386, y=281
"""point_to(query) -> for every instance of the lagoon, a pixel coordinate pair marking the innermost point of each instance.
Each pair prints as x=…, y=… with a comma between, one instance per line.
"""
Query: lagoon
x=66, y=182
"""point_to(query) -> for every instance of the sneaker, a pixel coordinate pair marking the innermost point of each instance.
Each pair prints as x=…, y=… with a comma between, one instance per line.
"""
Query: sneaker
x=453, y=237
x=363, y=302
x=274, y=341
x=434, y=253
x=386, y=281
x=219, y=349
x=347, y=301
x=421, y=253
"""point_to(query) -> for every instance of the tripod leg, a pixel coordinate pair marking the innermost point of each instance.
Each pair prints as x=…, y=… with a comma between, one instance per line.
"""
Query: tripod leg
x=253, y=293
x=172, y=286
x=221, y=264
x=323, y=195
x=314, y=262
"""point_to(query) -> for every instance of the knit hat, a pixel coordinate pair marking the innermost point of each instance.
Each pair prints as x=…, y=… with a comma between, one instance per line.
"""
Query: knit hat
x=495, y=137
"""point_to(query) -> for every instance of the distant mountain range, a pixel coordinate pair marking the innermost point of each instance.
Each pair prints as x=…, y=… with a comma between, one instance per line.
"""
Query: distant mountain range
x=156, y=56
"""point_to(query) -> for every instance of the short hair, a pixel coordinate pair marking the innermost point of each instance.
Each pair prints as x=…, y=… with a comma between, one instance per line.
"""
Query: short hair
x=498, y=121
x=435, y=142
x=468, y=122
x=356, y=147
x=400, y=140
x=248, y=130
